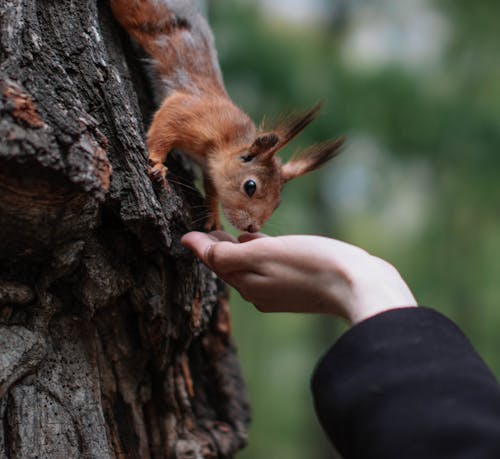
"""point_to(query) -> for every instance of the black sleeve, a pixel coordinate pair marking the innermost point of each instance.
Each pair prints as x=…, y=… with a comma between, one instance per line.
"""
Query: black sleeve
x=407, y=384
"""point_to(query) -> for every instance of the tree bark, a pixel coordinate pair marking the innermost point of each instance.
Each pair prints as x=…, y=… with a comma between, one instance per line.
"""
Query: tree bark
x=114, y=341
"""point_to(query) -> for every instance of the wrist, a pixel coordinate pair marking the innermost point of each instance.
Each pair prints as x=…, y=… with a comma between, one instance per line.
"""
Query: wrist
x=358, y=291
x=361, y=314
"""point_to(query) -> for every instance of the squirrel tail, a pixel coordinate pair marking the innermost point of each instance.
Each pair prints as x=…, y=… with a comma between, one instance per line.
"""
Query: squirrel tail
x=177, y=38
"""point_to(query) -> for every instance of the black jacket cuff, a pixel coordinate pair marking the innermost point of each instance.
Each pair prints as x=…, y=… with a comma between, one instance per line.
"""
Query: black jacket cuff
x=407, y=384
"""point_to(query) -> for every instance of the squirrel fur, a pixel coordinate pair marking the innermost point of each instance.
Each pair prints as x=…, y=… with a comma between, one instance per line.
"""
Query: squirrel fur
x=238, y=160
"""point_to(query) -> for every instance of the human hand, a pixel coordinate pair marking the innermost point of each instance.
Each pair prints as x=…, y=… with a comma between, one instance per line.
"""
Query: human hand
x=303, y=274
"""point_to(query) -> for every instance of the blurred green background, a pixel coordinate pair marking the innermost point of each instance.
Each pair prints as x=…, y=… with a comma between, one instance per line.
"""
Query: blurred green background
x=415, y=85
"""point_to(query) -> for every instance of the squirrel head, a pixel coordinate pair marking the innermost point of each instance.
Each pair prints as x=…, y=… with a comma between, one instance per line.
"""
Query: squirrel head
x=249, y=181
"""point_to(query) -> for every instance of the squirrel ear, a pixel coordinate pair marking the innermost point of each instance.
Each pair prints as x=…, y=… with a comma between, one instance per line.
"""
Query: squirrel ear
x=264, y=144
x=287, y=128
x=291, y=125
x=311, y=159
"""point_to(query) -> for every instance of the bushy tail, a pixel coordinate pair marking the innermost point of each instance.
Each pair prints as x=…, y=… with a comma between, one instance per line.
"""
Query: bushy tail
x=177, y=38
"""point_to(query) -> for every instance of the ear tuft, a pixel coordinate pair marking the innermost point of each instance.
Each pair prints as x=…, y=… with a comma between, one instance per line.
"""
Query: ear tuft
x=311, y=159
x=293, y=124
x=264, y=143
x=287, y=128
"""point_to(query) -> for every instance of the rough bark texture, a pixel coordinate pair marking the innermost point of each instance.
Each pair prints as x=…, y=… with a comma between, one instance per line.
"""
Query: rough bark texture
x=114, y=340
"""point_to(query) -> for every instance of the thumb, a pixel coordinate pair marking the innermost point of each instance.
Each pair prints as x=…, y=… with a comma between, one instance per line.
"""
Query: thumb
x=246, y=237
x=222, y=256
x=200, y=244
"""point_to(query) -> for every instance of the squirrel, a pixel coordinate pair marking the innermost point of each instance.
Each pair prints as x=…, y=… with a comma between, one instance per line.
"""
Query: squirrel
x=238, y=160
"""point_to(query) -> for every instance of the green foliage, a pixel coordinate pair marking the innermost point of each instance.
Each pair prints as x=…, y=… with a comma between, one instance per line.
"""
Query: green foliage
x=425, y=141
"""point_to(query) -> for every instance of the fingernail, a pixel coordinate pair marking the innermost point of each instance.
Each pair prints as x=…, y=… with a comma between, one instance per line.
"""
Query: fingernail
x=207, y=256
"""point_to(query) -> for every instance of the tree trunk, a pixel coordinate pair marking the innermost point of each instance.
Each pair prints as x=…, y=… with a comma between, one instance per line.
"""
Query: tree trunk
x=114, y=340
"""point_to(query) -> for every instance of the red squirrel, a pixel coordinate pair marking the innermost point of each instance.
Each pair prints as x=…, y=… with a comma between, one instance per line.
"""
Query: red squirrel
x=238, y=160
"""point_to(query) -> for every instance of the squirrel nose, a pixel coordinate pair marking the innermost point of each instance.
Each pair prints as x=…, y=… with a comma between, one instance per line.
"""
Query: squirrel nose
x=252, y=228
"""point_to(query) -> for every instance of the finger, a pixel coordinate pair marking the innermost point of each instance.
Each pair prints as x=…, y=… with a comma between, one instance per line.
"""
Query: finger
x=199, y=243
x=248, y=284
x=220, y=256
x=256, y=289
x=245, y=237
x=223, y=236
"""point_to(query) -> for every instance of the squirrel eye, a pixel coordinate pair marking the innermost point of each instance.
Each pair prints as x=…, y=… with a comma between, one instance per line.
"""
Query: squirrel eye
x=247, y=158
x=250, y=187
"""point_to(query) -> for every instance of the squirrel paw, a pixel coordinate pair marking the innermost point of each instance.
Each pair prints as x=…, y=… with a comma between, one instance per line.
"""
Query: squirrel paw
x=212, y=223
x=158, y=174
